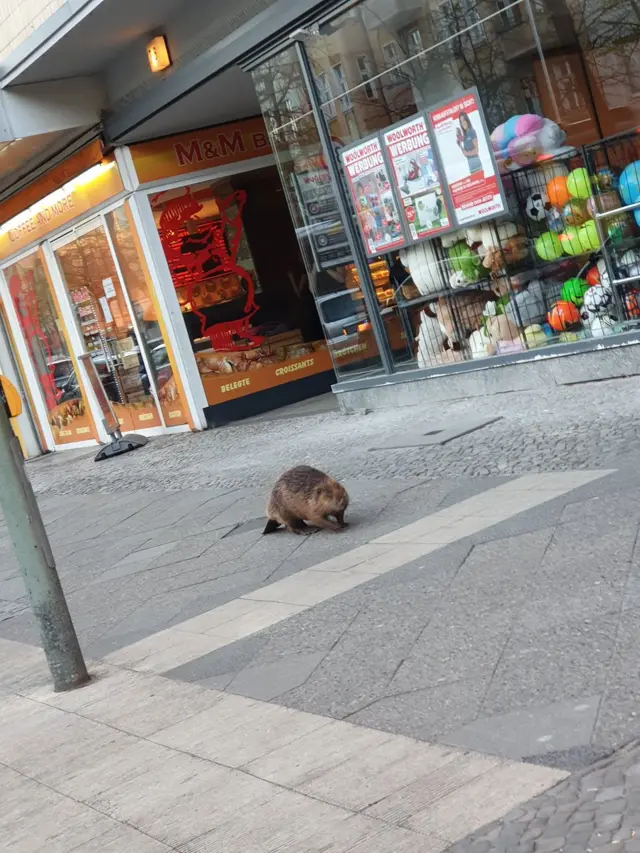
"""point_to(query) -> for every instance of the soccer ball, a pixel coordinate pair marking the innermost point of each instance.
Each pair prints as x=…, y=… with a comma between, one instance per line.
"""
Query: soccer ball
x=536, y=206
x=597, y=301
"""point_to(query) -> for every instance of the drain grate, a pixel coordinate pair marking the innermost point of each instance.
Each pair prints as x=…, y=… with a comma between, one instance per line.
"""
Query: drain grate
x=434, y=435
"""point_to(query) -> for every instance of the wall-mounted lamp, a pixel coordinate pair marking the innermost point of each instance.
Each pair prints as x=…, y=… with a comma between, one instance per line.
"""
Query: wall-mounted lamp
x=158, y=54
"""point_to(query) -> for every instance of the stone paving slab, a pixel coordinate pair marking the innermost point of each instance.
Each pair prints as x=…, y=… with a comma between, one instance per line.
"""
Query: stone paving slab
x=134, y=564
x=238, y=774
x=523, y=644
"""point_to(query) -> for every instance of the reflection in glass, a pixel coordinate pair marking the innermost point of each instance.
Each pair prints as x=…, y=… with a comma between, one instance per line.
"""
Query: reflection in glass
x=48, y=351
x=131, y=264
x=103, y=317
x=313, y=207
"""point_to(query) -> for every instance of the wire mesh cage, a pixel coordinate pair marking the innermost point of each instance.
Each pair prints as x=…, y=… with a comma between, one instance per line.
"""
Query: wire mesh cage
x=562, y=266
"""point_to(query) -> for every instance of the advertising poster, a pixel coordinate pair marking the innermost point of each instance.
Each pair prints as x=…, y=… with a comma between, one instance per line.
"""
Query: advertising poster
x=417, y=178
x=461, y=136
x=370, y=188
x=323, y=223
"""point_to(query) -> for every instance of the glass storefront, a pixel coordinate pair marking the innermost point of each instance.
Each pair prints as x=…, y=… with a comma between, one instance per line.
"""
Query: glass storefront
x=489, y=161
x=103, y=318
x=240, y=283
x=48, y=350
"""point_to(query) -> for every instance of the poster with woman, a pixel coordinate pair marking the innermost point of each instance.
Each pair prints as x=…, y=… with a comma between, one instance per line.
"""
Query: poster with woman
x=375, y=205
x=417, y=178
x=460, y=133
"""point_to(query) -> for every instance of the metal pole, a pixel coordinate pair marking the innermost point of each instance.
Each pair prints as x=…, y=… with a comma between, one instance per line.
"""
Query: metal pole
x=31, y=545
x=353, y=238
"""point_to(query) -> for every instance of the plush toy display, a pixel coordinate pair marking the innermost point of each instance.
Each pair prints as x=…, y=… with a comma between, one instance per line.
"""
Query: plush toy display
x=466, y=262
x=423, y=264
x=522, y=139
x=575, y=212
x=527, y=307
x=429, y=339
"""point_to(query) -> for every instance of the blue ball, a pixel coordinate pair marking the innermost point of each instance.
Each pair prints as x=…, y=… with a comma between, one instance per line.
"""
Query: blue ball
x=636, y=214
x=630, y=183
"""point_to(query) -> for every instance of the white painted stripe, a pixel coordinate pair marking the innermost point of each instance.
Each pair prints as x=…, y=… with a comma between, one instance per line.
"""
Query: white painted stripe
x=278, y=601
x=199, y=770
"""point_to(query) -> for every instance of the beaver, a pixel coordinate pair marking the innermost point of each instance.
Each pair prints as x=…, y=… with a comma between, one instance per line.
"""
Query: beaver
x=306, y=494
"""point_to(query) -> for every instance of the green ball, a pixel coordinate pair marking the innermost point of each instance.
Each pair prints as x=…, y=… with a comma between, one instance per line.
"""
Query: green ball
x=573, y=290
x=570, y=241
x=588, y=234
x=548, y=246
x=579, y=183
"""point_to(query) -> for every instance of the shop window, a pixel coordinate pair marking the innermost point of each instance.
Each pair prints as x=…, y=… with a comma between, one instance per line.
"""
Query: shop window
x=48, y=350
x=241, y=284
x=364, y=68
x=321, y=235
x=153, y=337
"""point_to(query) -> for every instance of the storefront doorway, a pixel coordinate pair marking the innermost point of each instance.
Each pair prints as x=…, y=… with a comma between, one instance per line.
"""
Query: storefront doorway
x=107, y=325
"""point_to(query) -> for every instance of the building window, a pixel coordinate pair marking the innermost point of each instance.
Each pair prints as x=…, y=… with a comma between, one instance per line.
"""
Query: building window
x=510, y=16
x=461, y=15
x=415, y=46
x=342, y=87
x=370, y=88
x=325, y=93
x=392, y=56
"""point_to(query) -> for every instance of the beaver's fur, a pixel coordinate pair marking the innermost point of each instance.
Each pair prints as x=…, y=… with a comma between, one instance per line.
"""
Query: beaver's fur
x=306, y=494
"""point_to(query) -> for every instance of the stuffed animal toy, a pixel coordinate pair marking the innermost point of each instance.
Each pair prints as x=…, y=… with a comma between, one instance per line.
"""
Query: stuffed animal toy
x=430, y=340
x=497, y=244
x=522, y=139
x=527, y=307
x=503, y=335
x=479, y=343
x=423, y=264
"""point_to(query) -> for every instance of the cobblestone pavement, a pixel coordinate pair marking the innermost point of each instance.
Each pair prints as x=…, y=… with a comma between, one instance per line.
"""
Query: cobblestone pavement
x=595, y=810
x=582, y=426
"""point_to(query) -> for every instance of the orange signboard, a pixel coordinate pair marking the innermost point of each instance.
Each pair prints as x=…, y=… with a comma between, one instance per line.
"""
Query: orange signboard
x=221, y=388
x=52, y=180
x=200, y=149
x=66, y=203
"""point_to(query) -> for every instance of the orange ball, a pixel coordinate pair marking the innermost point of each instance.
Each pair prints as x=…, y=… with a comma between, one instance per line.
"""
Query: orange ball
x=558, y=192
x=562, y=316
x=632, y=304
x=593, y=276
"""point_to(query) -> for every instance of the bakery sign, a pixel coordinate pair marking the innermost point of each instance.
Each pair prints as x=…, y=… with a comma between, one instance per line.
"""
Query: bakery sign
x=200, y=149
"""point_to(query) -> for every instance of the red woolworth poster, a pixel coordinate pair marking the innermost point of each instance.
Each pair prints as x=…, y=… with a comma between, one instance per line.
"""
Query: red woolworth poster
x=465, y=153
x=370, y=187
x=417, y=178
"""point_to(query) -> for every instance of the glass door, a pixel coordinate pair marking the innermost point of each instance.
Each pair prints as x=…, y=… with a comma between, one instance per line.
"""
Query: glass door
x=107, y=324
x=46, y=352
